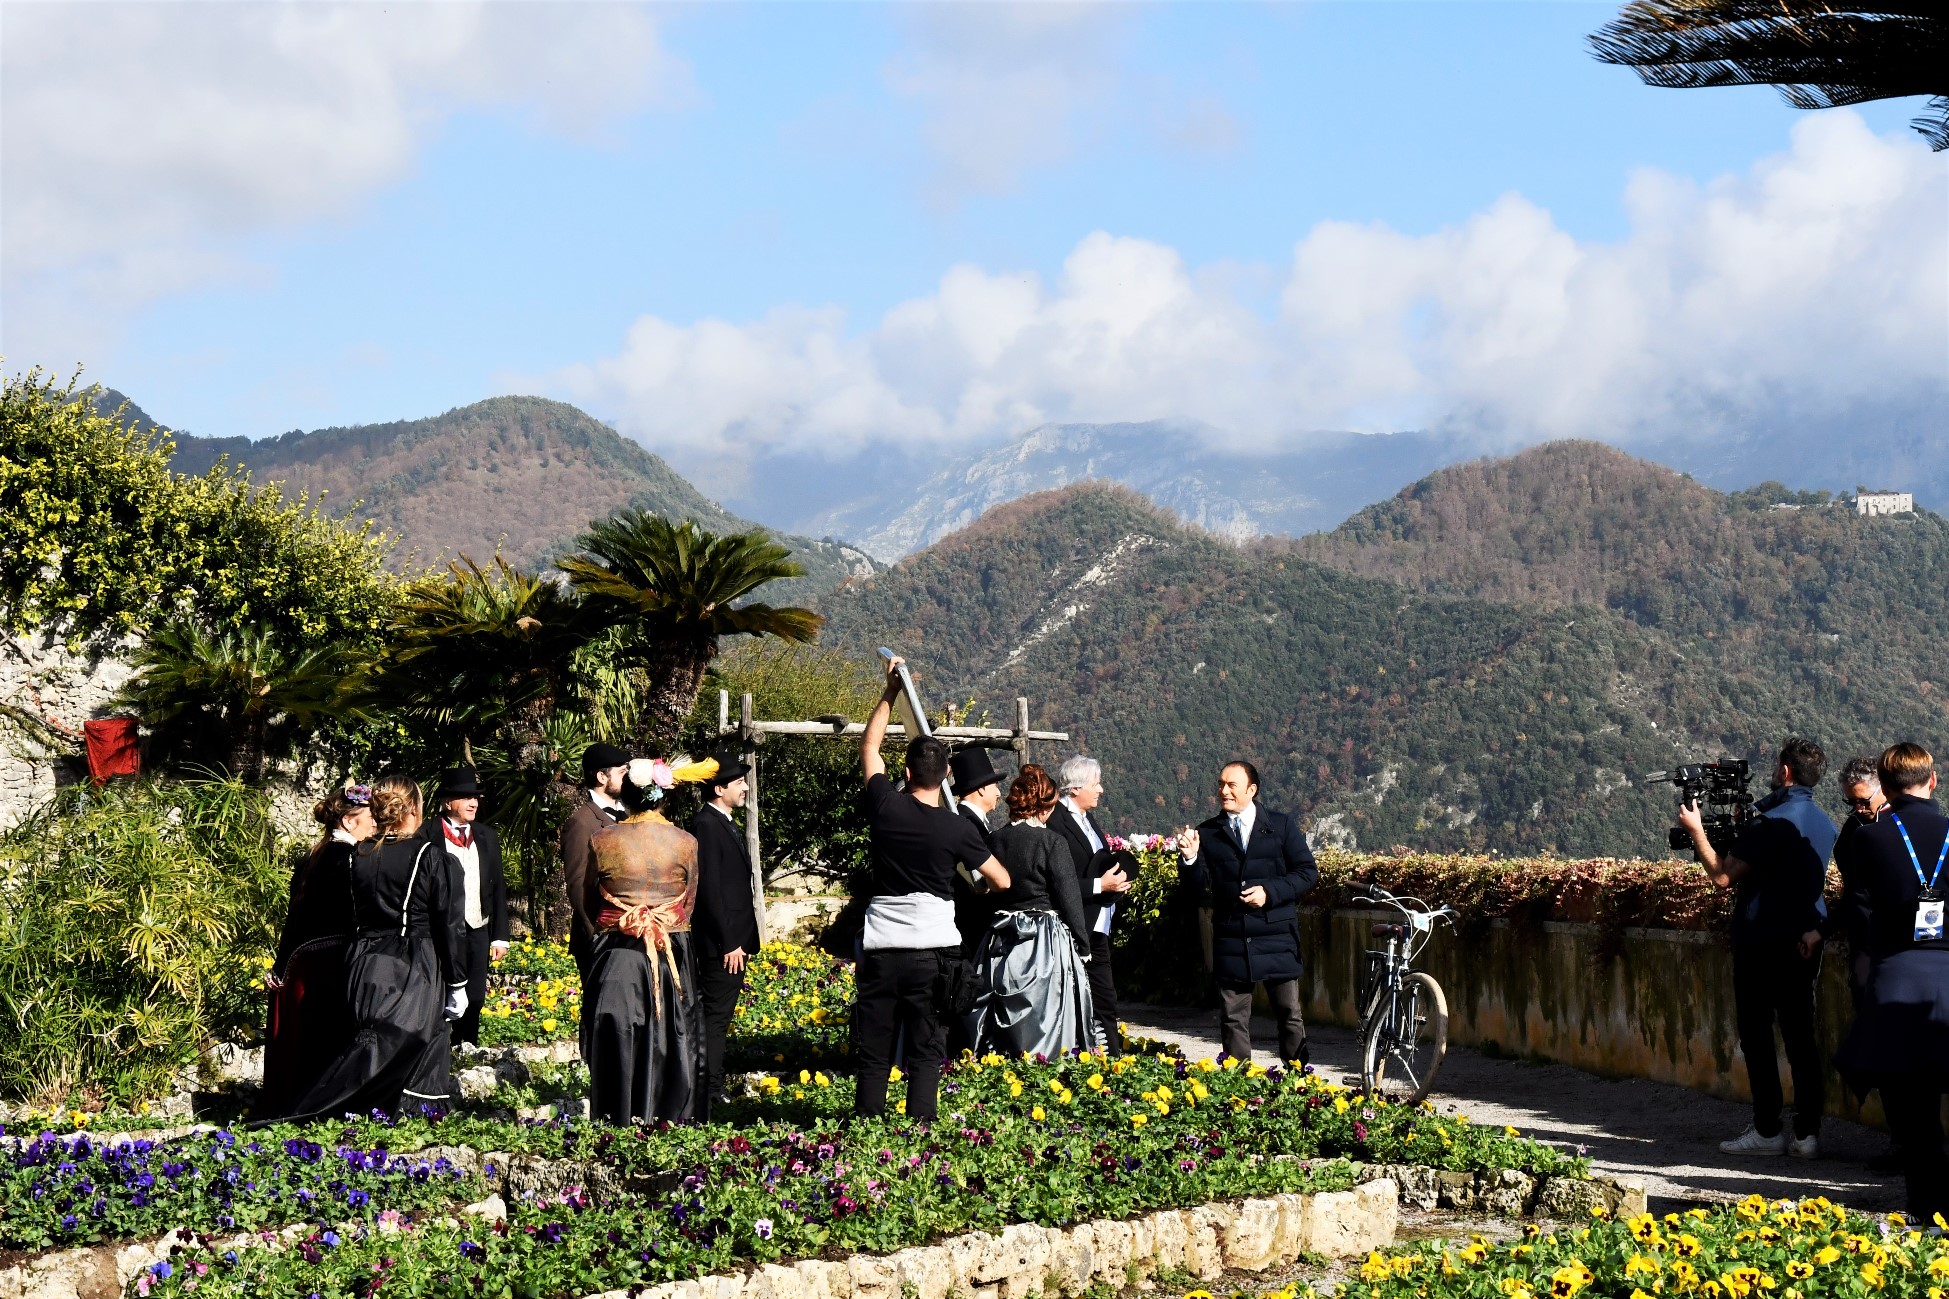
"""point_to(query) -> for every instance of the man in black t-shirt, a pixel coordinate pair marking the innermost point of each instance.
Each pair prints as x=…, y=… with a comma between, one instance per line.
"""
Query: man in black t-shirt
x=909, y=943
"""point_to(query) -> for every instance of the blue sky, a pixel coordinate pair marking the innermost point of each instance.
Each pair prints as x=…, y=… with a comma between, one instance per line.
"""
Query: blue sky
x=348, y=233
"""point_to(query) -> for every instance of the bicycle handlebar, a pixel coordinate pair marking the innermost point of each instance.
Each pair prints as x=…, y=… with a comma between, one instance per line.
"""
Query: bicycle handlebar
x=1420, y=916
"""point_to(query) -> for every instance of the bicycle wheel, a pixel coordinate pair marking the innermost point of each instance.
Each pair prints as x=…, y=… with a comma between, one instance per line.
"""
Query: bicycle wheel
x=1402, y=1049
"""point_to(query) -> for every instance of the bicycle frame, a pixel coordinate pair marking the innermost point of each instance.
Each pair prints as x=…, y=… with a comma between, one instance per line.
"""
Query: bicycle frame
x=1390, y=1013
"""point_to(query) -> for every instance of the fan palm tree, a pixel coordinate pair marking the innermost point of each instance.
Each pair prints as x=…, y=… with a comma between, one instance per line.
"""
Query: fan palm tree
x=1819, y=55
x=679, y=585
x=238, y=698
x=484, y=653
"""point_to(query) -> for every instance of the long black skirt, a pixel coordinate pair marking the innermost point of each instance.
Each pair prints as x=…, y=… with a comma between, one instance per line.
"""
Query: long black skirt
x=310, y=1024
x=1902, y=1027
x=400, y=1056
x=642, y=1064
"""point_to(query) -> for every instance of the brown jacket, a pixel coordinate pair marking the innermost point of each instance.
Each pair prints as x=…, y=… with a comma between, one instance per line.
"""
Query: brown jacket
x=578, y=868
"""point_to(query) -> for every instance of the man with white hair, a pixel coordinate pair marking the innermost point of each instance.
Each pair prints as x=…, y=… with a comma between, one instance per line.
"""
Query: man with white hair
x=1102, y=880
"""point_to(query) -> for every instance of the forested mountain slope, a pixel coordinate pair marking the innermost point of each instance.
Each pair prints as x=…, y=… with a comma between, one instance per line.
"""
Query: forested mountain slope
x=523, y=473
x=1386, y=714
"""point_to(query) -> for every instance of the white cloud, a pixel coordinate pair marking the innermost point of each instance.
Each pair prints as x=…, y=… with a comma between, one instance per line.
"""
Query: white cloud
x=142, y=143
x=1812, y=282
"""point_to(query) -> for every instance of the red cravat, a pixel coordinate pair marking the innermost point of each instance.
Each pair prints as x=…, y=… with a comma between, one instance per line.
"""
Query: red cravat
x=461, y=837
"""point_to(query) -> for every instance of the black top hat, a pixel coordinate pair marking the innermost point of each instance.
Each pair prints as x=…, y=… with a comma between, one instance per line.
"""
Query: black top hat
x=972, y=770
x=729, y=767
x=459, y=782
x=601, y=757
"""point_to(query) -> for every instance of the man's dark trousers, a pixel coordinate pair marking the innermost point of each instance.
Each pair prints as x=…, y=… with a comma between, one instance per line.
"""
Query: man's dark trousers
x=1773, y=981
x=899, y=988
x=1235, y=1019
x=717, y=997
x=1103, y=991
x=1914, y=1108
x=479, y=961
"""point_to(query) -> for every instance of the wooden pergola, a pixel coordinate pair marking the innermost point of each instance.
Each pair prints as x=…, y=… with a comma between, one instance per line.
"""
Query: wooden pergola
x=751, y=735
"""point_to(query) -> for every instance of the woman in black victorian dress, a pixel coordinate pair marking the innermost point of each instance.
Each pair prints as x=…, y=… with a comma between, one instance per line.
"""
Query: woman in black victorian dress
x=404, y=977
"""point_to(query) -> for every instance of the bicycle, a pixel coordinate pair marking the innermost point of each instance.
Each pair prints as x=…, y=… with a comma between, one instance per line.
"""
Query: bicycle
x=1403, y=1011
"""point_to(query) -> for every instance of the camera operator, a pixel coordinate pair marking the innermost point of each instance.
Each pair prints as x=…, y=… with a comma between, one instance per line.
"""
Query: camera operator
x=1900, y=1038
x=1778, y=864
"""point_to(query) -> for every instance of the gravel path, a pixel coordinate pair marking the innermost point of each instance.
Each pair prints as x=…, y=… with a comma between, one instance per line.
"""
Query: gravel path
x=1667, y=1135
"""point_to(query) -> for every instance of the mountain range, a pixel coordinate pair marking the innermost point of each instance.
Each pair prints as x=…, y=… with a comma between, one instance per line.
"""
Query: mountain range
x=892, y=500
x=1174, y=464
x=522, y=475
x=1490, y=660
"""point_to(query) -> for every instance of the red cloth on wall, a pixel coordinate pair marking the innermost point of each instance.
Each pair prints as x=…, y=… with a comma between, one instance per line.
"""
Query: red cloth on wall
x=112, y=748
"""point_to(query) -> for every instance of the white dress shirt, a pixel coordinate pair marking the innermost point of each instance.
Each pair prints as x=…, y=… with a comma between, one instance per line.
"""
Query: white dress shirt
x=469, y=859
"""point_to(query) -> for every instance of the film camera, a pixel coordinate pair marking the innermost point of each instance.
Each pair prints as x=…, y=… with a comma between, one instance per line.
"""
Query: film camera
x=1719, y=788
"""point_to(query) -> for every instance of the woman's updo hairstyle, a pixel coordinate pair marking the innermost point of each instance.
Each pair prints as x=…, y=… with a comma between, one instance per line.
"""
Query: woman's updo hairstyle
x=1032, y=795
x=395, y=799
x=332, y=809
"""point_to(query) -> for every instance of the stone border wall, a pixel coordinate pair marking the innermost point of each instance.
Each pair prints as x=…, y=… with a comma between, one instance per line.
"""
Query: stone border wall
x=1023, y=1259
x=1660, y=1008
x=1029, y=1260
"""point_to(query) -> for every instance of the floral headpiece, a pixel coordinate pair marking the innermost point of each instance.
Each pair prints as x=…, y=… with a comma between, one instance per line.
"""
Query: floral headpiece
x=358, y=795
x=653, y=775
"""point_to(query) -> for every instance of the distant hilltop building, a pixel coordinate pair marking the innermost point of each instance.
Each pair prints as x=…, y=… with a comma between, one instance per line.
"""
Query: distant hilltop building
x=1866, y=502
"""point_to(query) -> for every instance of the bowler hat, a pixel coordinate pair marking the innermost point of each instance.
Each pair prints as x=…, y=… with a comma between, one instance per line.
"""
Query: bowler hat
x=972, y=770
x=459, y=782
x=601, y=757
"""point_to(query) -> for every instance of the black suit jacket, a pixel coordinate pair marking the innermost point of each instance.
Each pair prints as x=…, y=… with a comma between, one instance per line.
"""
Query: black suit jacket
x=493, y=878
x=726, y=917
x=1090, y=864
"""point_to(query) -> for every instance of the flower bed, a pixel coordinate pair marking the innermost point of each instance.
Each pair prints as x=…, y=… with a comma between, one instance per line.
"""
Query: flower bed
x=531, y=1012
x=1808, y=1250
x=66, y=1190
x=1019, y=1141
x=797, y=1005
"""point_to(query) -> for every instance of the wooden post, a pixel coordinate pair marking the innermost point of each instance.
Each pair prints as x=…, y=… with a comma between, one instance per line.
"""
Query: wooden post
x=1021, y=745
x=749, y=734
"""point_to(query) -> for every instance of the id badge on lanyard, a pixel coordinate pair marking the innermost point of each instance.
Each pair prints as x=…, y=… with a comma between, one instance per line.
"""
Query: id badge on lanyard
x=1929, y=906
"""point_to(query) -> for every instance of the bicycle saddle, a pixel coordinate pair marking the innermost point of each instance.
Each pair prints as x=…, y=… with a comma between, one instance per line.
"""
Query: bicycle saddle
x=1390, y=931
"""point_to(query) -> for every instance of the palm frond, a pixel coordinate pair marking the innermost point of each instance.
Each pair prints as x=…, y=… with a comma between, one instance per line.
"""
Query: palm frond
x=1818, y=55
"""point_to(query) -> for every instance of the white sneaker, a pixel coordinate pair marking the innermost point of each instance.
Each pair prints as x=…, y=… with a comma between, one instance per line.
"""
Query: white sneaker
x=1803, y=1147
x=1750, y=1142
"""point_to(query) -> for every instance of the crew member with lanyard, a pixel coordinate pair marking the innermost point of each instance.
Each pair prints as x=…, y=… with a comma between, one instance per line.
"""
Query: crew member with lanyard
x=1900, y=1039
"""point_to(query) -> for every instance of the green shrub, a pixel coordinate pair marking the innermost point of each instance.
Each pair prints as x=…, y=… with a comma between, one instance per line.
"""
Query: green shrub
x=135, y=922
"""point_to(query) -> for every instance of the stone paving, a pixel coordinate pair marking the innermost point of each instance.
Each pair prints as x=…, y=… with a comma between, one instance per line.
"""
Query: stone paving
x=1667, y=1135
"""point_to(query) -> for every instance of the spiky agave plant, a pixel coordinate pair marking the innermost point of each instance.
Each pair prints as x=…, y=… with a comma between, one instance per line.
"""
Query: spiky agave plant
x=1819, y=55
x=677, y=586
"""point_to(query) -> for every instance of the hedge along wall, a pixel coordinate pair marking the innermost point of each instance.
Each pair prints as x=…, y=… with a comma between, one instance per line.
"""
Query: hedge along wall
x=1640, y=1003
